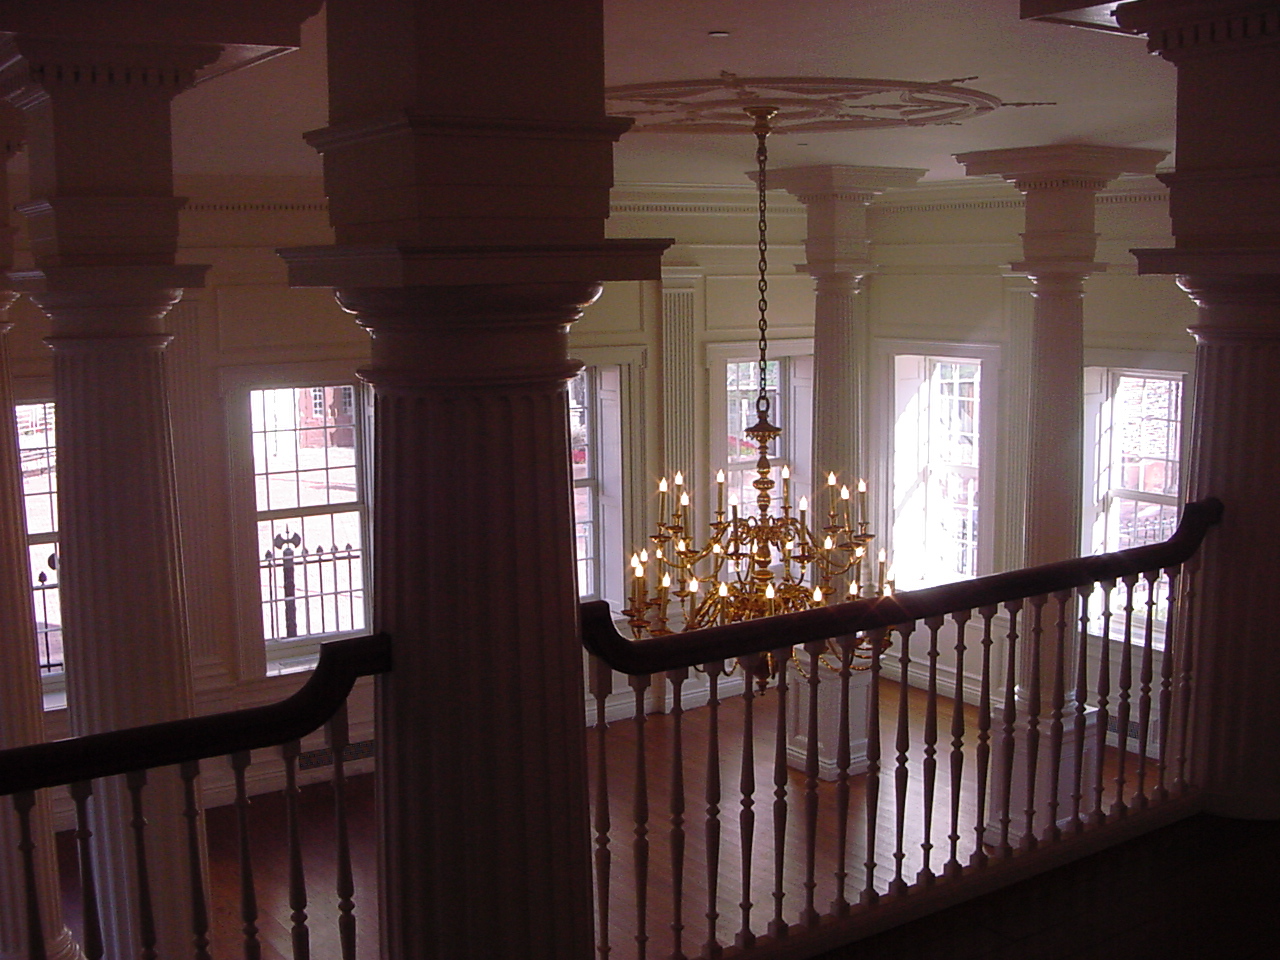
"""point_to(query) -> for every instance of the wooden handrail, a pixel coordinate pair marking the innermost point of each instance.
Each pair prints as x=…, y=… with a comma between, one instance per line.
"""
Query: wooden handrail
x=96, y=755
x=731, y=641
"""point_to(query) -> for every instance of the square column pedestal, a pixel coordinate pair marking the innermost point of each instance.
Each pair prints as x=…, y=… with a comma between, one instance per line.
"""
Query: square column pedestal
x=1029, y=813
x=827, y=692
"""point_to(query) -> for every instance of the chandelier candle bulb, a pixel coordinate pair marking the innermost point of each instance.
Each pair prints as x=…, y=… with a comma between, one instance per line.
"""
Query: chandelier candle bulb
x=720, y=494
x=844, y=502
x=862, y=504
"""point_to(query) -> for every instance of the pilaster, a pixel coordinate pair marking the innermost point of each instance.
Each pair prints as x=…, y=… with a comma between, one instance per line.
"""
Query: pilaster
x=680, y=302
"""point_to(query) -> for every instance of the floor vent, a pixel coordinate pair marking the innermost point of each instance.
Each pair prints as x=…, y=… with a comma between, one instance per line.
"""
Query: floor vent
x=324, y=756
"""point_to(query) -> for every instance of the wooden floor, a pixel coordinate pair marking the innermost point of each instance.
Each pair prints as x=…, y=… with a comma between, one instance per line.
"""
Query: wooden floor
x=782, y=827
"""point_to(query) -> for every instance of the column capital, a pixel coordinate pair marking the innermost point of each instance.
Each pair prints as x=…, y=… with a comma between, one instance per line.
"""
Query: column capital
x=1060, y=181
x=1060, y=165
x=457, y=336
x=36, y=68
x=682, y=275
x=107, y=302
x=836, y=198
x=1182, y=29
x=236, y=33
x=841, y=183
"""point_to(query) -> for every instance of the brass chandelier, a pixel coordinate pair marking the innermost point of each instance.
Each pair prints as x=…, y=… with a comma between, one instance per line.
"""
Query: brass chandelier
x=787, y=557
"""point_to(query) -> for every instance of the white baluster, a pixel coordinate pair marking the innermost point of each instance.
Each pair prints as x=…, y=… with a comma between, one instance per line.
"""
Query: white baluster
x=1103, y=686
x=930, y=767
x=840, y=904
x=1124, y=706
x=815, y=652
x=1034, y=706
x=248, y=894
x=869, y=892
x=1057, y=706
x=781, y=662
x=299, y=935
x=982, y=757
x=601, y=682
x=1146, y=674
x=1010, y=718
x=1084, y=594
x=713, y=671
x=190, y=772
x=677, y=679
x=1171, y=651
x=337, y=738
x=953, y=866
x=640, y=818
x=747, y=785
x=901, y=774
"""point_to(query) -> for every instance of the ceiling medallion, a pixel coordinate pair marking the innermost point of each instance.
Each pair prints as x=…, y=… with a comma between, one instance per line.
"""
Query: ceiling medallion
x=803, y=104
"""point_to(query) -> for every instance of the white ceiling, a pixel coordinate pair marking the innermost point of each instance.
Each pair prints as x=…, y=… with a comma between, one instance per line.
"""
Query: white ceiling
x=1106, y=88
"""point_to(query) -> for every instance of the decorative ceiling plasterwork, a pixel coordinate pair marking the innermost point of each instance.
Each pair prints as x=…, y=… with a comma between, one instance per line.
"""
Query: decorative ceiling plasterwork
x=804, y=104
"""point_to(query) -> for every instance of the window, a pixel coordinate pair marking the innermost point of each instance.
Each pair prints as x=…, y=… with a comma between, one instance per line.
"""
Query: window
x=742, y=388
x=584, y=445
x=38, y=462
x=309, y=490
x=734, y=372
x=1133, y=451
x=937, y=457
x=1136, y=483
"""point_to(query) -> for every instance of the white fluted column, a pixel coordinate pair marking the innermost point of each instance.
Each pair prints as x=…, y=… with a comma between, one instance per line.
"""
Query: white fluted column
x=1234, y=429
x=21, y=704
x=103, y=227
x=838, y=257
x=1224, y=201
x=21, y=707
x=1060, y=183
x=467, y=267
x=480, y=722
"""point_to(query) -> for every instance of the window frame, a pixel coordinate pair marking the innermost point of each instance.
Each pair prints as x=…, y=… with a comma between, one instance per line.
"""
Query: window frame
x=31, y=391
x=794, y=414
x=258, y=655
x=991, y=467
x=1100, y=369
x=621, y=428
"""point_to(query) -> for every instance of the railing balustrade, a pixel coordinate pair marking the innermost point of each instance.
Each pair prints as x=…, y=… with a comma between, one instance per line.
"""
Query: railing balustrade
x=82, y=763
x=971, y=735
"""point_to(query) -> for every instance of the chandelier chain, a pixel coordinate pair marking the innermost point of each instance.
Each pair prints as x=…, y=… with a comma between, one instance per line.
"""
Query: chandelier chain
x=762, y=162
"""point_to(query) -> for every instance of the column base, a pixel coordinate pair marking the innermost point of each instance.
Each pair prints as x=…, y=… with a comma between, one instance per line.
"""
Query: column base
x=1020, y=831
x=797, y=720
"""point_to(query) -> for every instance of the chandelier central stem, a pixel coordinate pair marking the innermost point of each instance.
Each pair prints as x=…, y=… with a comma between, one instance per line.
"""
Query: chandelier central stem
x=788, y=557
